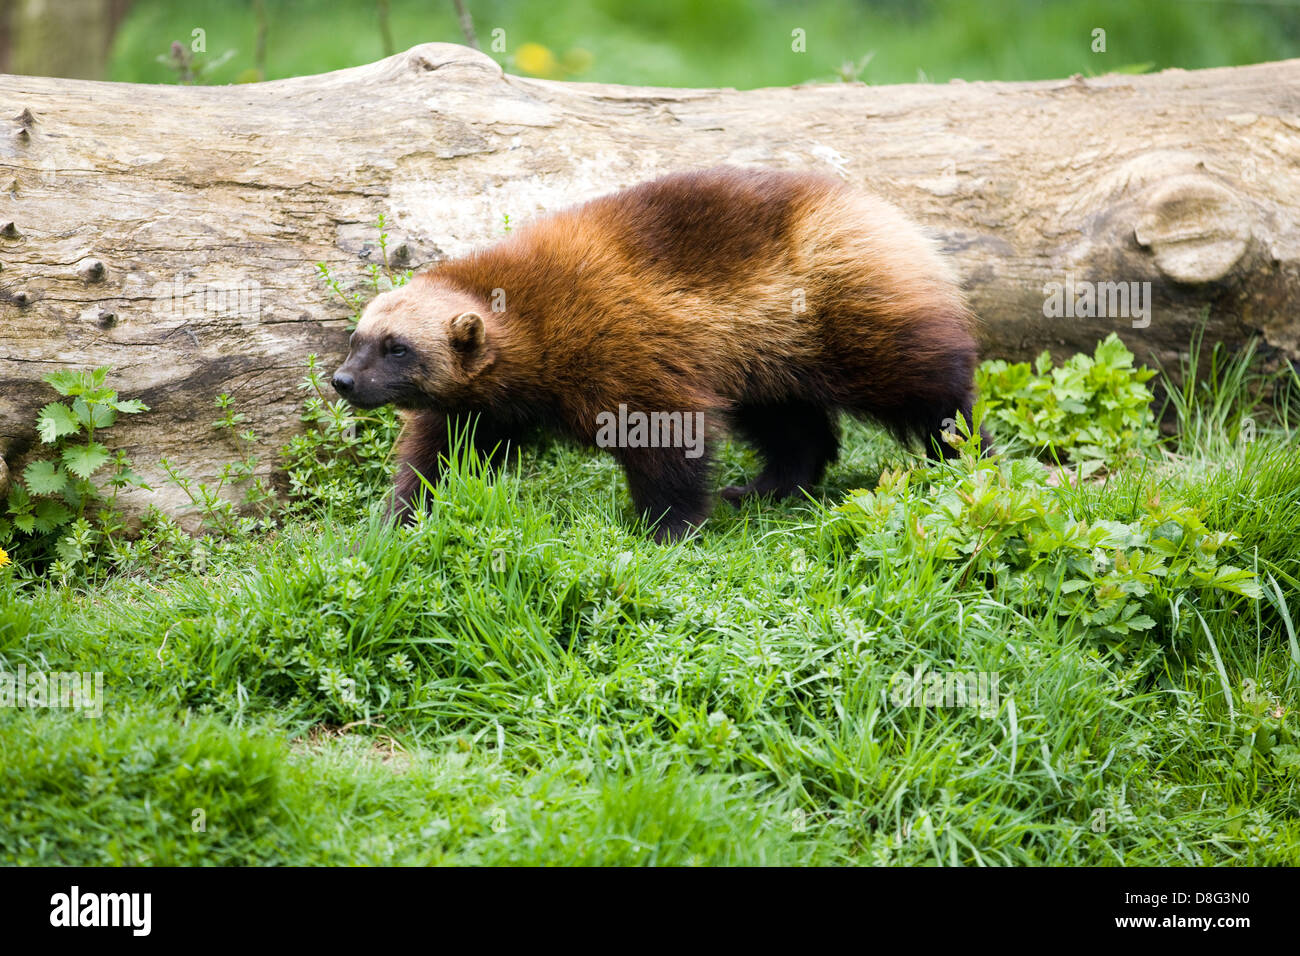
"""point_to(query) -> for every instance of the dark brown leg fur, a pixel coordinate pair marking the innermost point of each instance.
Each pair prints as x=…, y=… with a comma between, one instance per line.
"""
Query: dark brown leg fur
x=796, y=439
x=670, y=490
x=927, y=420
x=424, y=446
x=932, y=435
x=938, y=388
x=419, y=452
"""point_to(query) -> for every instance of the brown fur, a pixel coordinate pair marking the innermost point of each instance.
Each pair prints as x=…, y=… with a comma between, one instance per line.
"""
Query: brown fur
x=678, y=295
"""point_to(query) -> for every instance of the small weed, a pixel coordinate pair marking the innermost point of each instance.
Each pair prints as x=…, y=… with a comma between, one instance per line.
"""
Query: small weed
x=380, y=276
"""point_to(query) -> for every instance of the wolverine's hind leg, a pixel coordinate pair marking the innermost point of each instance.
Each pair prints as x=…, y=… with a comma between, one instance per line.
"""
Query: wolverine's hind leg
x=923, y=385
x=956, y=420
x=797, y=440
x=930, y=420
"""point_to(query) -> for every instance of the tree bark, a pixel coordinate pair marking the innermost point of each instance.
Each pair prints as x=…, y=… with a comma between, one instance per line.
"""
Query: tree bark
x=172, y=233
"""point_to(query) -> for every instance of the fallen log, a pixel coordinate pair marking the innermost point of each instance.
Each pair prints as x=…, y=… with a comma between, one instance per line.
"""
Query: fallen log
x=172, y=232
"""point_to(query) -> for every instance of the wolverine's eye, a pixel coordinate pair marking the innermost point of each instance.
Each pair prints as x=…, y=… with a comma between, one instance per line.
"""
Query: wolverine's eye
x=397, y=350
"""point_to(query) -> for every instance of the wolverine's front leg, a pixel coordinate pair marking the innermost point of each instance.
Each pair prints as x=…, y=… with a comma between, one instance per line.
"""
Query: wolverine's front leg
x=425, y=445
x=420, y=451
x=670, y=490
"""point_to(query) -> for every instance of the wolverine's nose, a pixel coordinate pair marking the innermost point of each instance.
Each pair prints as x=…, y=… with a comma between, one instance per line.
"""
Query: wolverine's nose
x=343, y=383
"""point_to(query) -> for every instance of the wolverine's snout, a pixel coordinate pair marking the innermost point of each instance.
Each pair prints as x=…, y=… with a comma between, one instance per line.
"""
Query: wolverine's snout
x=359, y=388
x=343, y=383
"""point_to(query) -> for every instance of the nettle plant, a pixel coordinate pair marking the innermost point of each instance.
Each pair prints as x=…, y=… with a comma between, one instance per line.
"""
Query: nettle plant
x=57, y=505
x=1093, y=411
x=1000, y=524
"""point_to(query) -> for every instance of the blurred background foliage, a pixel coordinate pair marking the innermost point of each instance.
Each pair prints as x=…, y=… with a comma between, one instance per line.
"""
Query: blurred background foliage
x=740, y=43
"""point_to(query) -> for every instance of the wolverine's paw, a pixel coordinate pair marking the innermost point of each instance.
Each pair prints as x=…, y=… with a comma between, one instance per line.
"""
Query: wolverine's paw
x=763, y=486
x=736, y=494
x=670, y=532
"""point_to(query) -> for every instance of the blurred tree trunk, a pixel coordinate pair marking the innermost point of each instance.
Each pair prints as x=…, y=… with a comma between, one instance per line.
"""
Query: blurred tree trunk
x=67, y=38
x=172, y=232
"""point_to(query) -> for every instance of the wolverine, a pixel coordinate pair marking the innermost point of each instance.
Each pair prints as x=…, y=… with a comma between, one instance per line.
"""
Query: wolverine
x=759, y=304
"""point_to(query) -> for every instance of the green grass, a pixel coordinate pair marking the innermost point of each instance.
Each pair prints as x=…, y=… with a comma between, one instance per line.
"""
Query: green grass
x=740, y=43
x=525, y=678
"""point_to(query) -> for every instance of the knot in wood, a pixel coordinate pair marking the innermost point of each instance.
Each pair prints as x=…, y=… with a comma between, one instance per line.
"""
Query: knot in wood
x=428, y=57
x=1196, y=229
x=90, y=270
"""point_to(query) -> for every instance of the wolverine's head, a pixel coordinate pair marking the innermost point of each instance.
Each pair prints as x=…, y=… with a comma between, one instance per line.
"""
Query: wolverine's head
x=420, y=346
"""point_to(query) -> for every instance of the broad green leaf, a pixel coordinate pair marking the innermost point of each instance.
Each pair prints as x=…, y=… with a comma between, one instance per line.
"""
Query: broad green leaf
x=50, y=514
x=93, y=415
x=45, y=478
x=132, y=406
x=1228, y=578
x=103, y=414
x=65, y=382
x=20, y=501
x=69, y=550
x=54, y=421
x=85, y=460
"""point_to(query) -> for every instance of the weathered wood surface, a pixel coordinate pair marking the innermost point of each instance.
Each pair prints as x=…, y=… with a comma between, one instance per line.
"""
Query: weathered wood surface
x=114, y=193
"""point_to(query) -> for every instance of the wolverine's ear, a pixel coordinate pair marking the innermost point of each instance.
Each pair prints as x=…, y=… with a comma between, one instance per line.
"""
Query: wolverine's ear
x=466, y=333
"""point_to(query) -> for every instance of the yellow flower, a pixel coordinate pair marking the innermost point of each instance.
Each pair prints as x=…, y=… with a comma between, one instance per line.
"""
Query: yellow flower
x=4, y=558
x=535, y=59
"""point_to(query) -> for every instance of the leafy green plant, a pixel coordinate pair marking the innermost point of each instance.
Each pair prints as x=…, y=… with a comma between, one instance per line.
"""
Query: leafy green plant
x=1092, y=410
x=999, y=522
x=57, y=505
x=351, y=297
x=342, y=460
